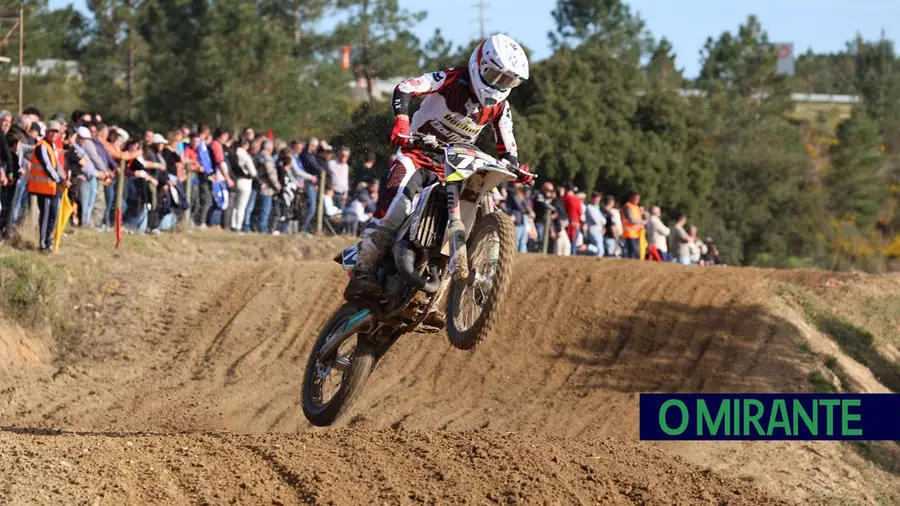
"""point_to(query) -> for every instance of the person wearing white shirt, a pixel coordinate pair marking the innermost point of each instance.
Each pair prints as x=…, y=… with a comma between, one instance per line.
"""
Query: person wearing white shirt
x=331, y=210
x=356, y=213
x=658, y=234
x=246, y=173
x=339, y=176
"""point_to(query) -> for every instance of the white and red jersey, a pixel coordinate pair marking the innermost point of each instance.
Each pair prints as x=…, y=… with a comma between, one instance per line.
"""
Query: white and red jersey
x=451, y=113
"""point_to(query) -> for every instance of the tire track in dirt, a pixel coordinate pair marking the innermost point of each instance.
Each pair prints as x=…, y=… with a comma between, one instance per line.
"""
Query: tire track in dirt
x=578, y=339
x=345, y=466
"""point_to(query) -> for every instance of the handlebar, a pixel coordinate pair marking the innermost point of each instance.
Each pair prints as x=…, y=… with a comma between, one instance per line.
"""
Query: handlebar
x=426, y=142
x=429, y=142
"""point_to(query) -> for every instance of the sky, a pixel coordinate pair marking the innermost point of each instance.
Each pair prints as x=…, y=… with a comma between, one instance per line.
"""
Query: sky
x=823, y=25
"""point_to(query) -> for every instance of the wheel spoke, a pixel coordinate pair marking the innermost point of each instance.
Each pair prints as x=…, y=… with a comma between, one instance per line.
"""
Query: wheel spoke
x=330, y=373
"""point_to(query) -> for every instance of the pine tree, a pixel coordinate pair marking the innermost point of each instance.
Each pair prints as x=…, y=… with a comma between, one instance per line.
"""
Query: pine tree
x=661, y=69
x=878, y=81
x=763, y=204
x=610, y=22
x=855, y=189
x=438, y=53
x=380, y=31
x=112, y=65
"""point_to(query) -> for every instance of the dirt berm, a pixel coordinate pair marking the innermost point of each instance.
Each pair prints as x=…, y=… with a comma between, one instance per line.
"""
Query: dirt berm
x=178, y=383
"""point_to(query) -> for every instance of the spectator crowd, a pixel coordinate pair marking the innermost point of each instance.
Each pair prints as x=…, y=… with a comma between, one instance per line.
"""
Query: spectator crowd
x=209, y=178
x=191, y=174
x=564, y=221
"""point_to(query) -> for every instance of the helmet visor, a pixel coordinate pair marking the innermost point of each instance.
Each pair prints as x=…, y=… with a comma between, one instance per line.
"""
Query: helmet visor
x=500, y=80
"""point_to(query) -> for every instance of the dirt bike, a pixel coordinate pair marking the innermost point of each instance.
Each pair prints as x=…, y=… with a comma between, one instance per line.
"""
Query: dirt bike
x=454, y=245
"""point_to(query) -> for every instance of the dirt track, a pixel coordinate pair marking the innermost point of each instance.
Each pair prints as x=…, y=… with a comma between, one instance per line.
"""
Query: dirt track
x=217, y=341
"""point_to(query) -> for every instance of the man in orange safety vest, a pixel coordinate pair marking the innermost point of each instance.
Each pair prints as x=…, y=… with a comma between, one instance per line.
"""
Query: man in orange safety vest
x=632, y=225
x=45, y=181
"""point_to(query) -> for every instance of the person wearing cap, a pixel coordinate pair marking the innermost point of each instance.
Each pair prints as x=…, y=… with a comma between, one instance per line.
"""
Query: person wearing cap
x=155, y=164
x=60, y=145
x=45, y=182
x=83, y=173
x=36, y=131
x=86, y=140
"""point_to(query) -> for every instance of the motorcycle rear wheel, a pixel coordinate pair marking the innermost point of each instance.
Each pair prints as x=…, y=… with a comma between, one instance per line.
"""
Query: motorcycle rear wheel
x=354, y=366
x=474, y=305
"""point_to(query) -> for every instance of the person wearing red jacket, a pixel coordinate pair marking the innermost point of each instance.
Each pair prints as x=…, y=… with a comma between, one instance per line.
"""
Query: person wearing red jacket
x=458, y=104
x=573, y=207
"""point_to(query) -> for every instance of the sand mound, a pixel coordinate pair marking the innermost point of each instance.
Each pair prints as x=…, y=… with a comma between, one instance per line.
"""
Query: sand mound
x=219, y=346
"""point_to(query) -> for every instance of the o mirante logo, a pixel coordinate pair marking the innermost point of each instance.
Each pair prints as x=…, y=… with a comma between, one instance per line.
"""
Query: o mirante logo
x=769, y=416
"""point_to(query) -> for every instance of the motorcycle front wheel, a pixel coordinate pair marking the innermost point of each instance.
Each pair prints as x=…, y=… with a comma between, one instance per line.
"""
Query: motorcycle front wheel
x=330, y=386
x=473, y=305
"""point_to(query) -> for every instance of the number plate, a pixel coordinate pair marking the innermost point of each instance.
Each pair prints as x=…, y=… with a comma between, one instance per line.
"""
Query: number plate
x=466, y=160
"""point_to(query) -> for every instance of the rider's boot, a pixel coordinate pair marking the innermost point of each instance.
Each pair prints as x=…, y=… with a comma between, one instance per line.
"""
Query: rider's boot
x=375, y=244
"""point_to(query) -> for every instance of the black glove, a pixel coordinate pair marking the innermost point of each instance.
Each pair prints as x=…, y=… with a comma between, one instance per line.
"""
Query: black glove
x=513, y=161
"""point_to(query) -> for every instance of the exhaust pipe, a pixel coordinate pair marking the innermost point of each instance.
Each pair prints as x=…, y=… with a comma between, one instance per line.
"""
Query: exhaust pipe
x=405, y=258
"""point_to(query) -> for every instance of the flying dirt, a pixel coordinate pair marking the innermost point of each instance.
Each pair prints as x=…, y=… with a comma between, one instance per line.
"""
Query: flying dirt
x=171, y=372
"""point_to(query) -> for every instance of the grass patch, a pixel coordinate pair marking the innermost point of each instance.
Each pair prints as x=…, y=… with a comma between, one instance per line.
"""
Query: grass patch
x=882, y=315
x=884, y=454
x=832, y=364
x=31, y=297
x=856, y=342
x=820, y=384
x=853, y=340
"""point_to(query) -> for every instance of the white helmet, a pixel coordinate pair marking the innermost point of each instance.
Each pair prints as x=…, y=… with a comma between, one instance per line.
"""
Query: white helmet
x=496, y=67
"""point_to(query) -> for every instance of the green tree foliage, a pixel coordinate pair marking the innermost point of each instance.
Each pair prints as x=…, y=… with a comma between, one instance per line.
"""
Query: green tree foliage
x=661, y=69
x=855, y=189
x=825, y=73
x=297, y=17
x=604, y=110
x=113, y=65
x=379, y=31
x=49, y=34
x=763, y=200
x=578, y=105
x=878, y=81
x=584, y=123
x=175, y=29
x=610, y=22
x=368, y=132
x=437, y=53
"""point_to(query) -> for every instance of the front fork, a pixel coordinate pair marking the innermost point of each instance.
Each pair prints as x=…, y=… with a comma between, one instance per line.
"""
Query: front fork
x=459, y=260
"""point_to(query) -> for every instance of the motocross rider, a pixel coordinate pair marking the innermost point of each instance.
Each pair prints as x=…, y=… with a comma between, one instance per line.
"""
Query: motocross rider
x=460, y=102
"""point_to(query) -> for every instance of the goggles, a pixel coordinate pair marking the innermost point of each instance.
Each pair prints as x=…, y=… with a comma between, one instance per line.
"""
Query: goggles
x=500, y=80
